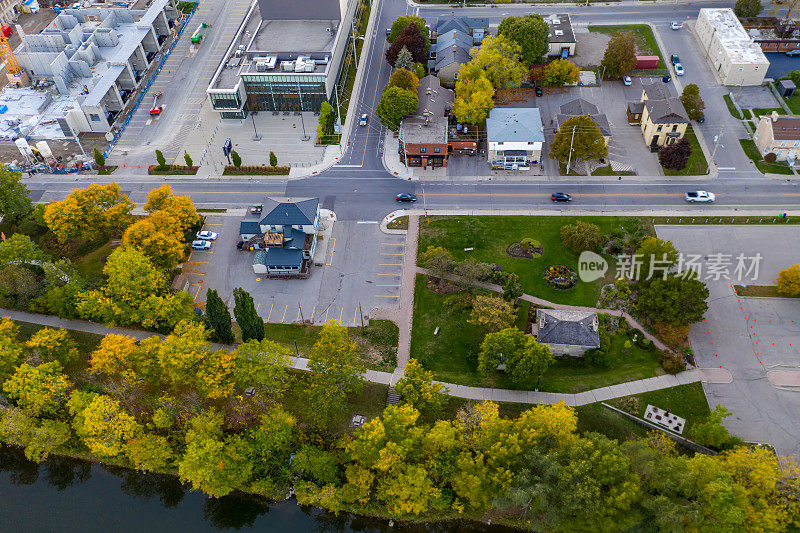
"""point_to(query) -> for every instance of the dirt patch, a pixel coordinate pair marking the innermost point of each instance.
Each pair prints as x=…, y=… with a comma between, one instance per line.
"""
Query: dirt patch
x=516, y=249
x=444, y=287
x=590, y=48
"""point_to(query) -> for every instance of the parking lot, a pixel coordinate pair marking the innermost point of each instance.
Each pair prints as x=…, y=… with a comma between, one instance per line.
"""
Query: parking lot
x=756, y=339
x=361, y=270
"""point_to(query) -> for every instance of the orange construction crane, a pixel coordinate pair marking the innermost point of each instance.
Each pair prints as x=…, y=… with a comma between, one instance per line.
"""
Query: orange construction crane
x=7, y=55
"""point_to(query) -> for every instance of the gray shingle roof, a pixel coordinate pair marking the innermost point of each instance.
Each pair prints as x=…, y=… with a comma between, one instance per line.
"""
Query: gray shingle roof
x=657, y=91
x=563, y=24
x=248, y=227
x=668, y=111
x=448, y=56
x=464, y=24
x=279, y=257
x=580, y=107
x=455, y=37
x=573, y=328
x=287, y=212
x=519, y=124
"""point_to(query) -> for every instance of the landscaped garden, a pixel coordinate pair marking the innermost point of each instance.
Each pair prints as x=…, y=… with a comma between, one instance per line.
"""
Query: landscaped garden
x=697, y=164
x=751, y=151
x=487, y=239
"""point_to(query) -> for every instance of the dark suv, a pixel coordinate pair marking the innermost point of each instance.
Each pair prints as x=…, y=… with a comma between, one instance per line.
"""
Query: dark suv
x=560, y=197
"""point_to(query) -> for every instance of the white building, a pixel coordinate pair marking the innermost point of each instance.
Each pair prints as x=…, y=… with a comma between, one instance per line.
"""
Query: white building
x=514, y=137
x=96, y=58
x=729, y=48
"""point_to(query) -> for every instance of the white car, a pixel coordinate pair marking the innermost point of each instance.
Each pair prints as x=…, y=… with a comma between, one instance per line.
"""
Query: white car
x=627, y=80
x=678, y=69
x=201, y=245
x=207, y=235
x=363, y=120
x=700, y=196
x=674, y=25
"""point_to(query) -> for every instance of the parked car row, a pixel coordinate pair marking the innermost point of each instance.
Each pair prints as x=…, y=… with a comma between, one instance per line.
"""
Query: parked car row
x=203, y=240
x=691, y=196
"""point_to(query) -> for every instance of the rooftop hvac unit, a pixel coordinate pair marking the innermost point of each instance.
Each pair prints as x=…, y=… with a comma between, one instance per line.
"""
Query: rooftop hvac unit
x=287, y=66
x=262, y=66
x=310, y=65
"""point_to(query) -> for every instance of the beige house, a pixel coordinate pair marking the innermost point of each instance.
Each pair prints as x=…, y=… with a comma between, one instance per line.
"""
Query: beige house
x=779, y=134
x=663, y=118
x=729, y=48
x=569, y=333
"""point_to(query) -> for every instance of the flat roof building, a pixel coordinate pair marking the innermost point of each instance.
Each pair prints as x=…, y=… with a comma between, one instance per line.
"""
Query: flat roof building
x=286, y=56
x=731, y=51
x=561, y=37
x=89, y=62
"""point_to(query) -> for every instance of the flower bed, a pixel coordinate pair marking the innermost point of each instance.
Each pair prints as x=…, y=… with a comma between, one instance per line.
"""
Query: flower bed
x=560, y=277
x=171, y=170
x=525, y=250
x=259, y=170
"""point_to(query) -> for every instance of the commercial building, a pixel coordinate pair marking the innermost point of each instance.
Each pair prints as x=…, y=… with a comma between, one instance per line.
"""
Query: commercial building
x=561, y=37
x=580, y=107
x=569, y=333
x=424, y=136
x=88, y=63
x=286, y=56
x=514, y=138
x=729, y=48
x=780, y=135
x=661, y=116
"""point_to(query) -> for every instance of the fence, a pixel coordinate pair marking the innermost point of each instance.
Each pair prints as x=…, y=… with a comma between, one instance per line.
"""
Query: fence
x=150, y=81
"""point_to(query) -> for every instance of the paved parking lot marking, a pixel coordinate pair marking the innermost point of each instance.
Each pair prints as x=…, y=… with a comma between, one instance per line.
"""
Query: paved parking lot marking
x=270, y=311
x=259, y=305
x=326, y=314
x=284, y=313
x=333, y=247
x=199, y=287
x=200, y=262
x=298, y=314
x=390, y=265
x=209, y=224
x=398, y=275
x=201, y=252
x=398, y=285
x=382, y=253
x=340, y=315
x=313, y=311
x=355, y=316
x=393, y=243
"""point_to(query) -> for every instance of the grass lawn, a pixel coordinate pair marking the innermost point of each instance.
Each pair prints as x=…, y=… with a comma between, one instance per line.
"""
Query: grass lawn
x=761, y=291
x=490, y=235
x=697, y=164
x=794, y=103
x=398, y=223
x=747, y=114
x=767, y=111
x=608, y=171
x=106, y=170
x=452, y=354
x=645, y=40
x=731, y=108
x=751, y=151
x=91, y=265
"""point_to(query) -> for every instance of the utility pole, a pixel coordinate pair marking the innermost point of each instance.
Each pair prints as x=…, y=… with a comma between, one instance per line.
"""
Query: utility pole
x=425, y=204
x=353, y=33
x=301, y=312
x=717, y=141
x=569, y=158
x=360, y=312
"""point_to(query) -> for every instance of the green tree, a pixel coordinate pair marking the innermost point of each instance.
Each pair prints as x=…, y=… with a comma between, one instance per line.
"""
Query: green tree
x=400, y=24
x=581, y=236
x=512, y=288
x=14, y=200
x=237, y=159
x=251, y=325
x=271, y=446
x=497, y=347
x=620, y=56
x=40, y=440
x=676, y=300
x=10, y=348
x=711, y=431
x=405, y=60
x=162, y=161
x=218, y=318
x=273, y=159
x=395, y=103
x=657, y=256
x=690, y=98
x=525, y=365
x=530, y=32
x=262, y=364
x=50, y=344
x=404, y=79
x=19, y=248
x=316, y=465
x=98, y=158
x=38, y=390
x=187, y=159
x=560, y=72
x=149, y=452
x=581, y=137
x=337, y=373
x=499, y=58
x=413, y=41
x=491, y=313
x=418, y=389
x=474, y=98
x=788, y=282
x=438, y=261
x=212, y=462
x=747, y=8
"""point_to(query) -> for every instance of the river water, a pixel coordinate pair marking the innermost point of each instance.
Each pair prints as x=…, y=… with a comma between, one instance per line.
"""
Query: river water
x=64, y=494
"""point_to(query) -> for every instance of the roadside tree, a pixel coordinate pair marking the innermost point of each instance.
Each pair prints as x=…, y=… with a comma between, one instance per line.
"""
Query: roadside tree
x=620, y=56
x=581, y=236
x=86, y=213
x=180, y=207
x=404, y=59
x=418, y=389
x=676, y=300
x=788, y=282
x=530, y=32
x=52, y=344
x=14, y=200
x=395, y=103
x=404, y=79
x=159, y=237
x=747, y=8
x=412, y=39
x=694, y=105
x=250, y=324
x=676, y=155
x=560, y=72
x=581, y=137
x=402, y=22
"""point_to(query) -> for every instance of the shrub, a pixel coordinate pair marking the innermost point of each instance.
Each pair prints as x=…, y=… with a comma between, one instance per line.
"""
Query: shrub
x=162, y=161
x=187, y=158
x=770, y=157
x=672, y=363
x=98, y=158
x=581, y=236
x=237, y=159
x=273, y=159
x=675, y=156
x=597, y=357
x=459, y=302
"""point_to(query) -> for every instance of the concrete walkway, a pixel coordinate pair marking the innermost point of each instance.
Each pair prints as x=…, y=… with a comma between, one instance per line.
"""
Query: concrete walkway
x=460, y=391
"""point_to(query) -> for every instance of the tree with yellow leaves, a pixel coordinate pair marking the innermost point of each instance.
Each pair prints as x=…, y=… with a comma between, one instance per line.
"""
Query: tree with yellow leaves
x=418, y=389
x=50, y=344
x=101, y=423
x=10, y=349
x=119, y=356
x=86, y=213
x=159, y=237
x=180, y=207
x=38, y=390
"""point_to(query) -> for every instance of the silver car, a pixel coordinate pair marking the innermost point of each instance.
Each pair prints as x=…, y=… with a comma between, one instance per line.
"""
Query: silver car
x=201, y=245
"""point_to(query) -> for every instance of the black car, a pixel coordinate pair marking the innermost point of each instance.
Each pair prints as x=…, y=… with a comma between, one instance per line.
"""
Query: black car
x=666, y=78
x=560, y=197
x=538, y=90
x=405, y=197
x=702, y=118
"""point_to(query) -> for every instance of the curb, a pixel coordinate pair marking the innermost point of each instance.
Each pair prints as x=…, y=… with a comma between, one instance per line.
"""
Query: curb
x=384, y=226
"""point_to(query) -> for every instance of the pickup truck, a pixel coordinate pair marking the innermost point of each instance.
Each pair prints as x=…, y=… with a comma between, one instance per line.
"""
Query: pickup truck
x=700, y=196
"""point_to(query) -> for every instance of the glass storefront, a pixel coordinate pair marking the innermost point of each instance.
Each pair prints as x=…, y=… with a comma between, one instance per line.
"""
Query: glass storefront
x=284, y=93
x=222, y=101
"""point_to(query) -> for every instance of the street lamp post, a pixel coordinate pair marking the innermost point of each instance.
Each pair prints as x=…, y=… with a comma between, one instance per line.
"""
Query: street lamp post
x=256, y=136
x=537, y=382
x=303, y=124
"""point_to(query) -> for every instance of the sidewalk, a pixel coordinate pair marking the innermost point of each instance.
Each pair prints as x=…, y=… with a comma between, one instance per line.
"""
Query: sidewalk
x=458, y=391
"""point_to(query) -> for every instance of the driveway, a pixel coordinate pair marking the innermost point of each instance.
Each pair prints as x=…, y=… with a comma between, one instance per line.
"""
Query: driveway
x=362, y=267
x=749, y=336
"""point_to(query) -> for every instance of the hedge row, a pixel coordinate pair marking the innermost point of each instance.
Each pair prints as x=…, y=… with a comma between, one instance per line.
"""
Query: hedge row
x=171, y=169
x=261, y=170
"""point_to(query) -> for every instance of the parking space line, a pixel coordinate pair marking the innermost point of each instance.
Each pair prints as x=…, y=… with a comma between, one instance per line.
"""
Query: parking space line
x=259, y=305
x=340, y=315
x=284, y=314
x=199, y=288
x=313, y=311
x=326, y=314
x=215, y=224
x=333, y=248
x=388, y=275
x=298, y=314
x=385, y=296
x=393, y=243
x=200, y=262
x=355, y=316
x=390, y=264
x=270, y=311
